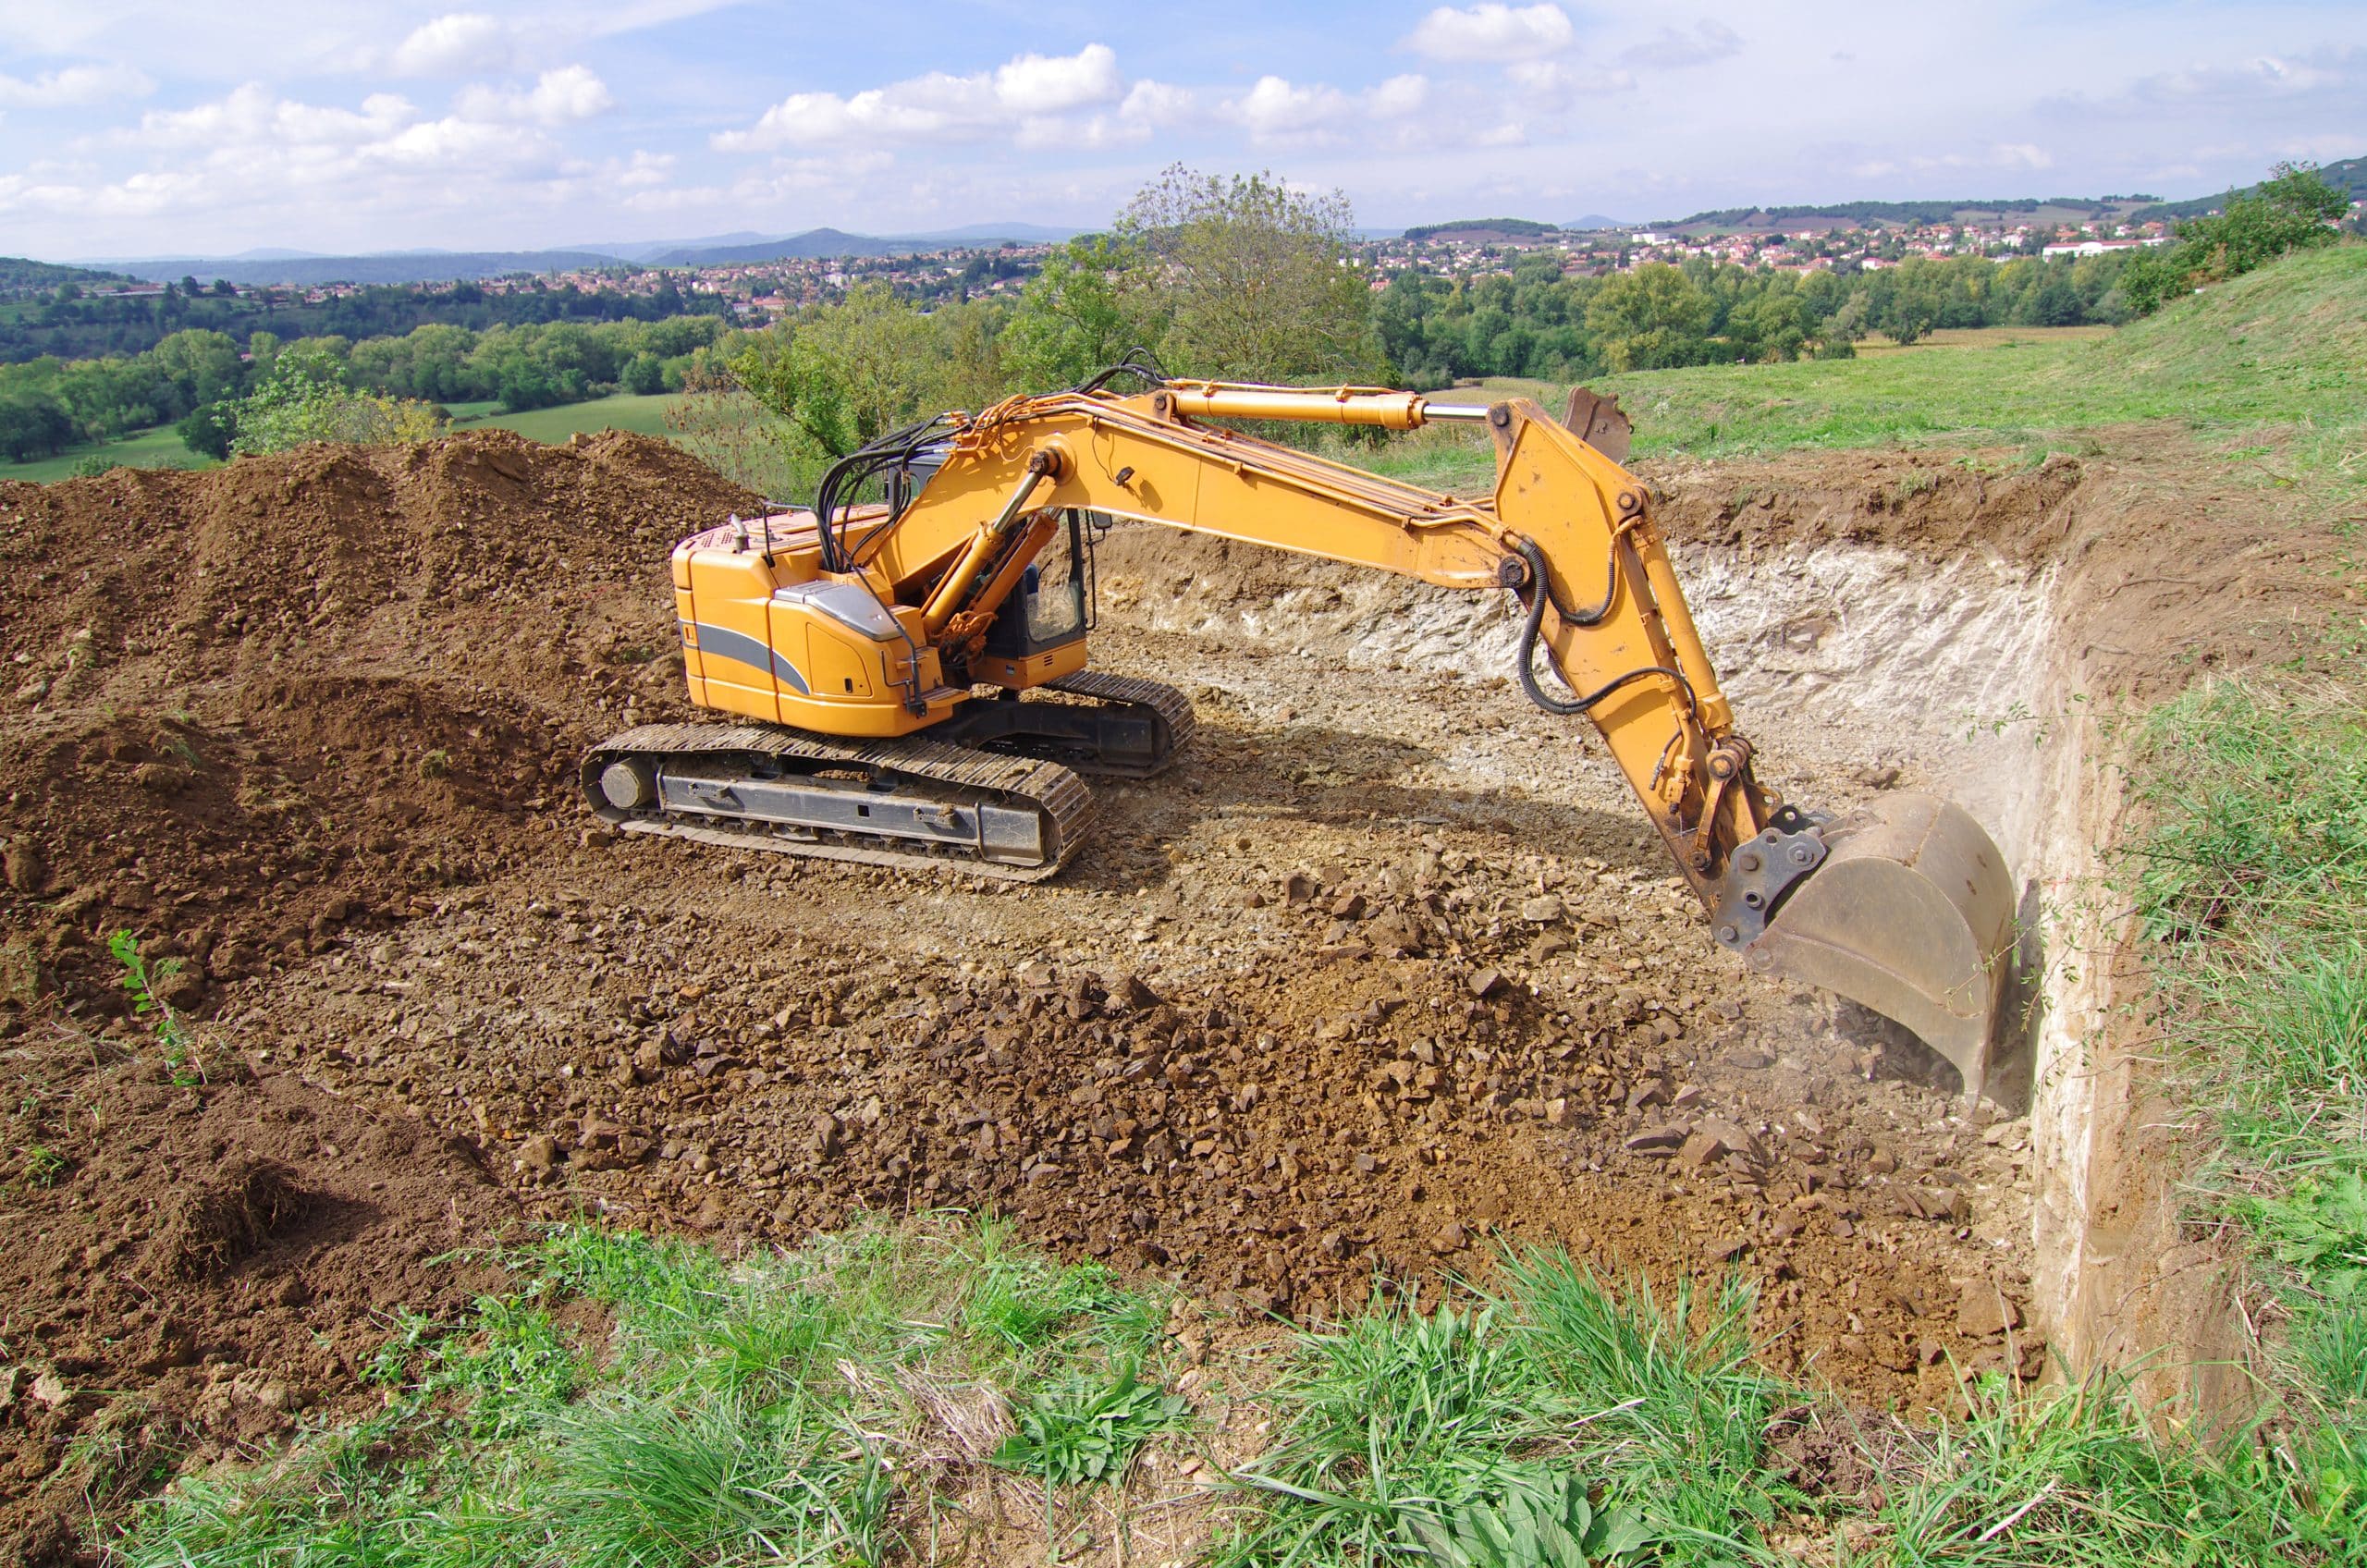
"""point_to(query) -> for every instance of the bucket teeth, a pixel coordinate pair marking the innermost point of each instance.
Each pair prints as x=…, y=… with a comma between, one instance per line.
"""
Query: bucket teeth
x=1911, y=913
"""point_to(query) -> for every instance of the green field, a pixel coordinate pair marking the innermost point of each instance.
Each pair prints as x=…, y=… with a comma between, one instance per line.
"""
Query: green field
x=159, y=448
x=642, y=415
x=2276, y=360
x=156, y=447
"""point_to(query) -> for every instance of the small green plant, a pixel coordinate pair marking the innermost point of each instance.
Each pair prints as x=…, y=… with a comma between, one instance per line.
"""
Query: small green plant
x=436, y=763
x=1083, y=1433
x=44, y=1166
x=1544, y=1519
x=142, y=980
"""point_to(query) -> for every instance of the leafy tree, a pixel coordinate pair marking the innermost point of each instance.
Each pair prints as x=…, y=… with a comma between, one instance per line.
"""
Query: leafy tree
x=307, y=398
x=1082, y=312
x=1251, y=277
x=643, y=375
x=2291, y=210
x=34, y=425
x=1651, y=319
x=208, y=431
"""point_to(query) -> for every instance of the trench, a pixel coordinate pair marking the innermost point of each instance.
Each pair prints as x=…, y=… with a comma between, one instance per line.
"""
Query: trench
x=1858, y=667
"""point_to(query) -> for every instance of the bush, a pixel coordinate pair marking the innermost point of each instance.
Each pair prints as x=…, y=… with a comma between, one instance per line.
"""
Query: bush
x=306, y=398
x=2291, y=210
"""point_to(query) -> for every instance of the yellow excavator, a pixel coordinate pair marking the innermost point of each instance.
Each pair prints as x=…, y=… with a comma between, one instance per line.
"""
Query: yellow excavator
x=904, y=666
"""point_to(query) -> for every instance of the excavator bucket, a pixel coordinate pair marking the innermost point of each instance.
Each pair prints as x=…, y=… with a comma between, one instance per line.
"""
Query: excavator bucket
x=1911, y=913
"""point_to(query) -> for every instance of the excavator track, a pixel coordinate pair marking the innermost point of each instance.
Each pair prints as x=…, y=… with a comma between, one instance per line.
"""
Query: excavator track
x=908, y=803
x=1169, y=711
x=1123, y=727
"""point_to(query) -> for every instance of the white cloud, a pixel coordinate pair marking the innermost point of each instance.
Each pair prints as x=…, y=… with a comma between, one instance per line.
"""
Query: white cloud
x=458, y=44
x=1274, y=109
x=1398, y=96
x=1038, y=84
x=1505, y=135
x=1561, y=80
x=1157, y=104
x=1490, y=32
x=1675, y=48
x=1277, y=110
x=251, y=116
x=75, y=86
x=558, y=97
x=2021, y=155
x=938, y=107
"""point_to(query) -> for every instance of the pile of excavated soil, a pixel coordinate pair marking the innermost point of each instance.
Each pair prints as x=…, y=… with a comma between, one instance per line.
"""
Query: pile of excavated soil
x=1389, y=967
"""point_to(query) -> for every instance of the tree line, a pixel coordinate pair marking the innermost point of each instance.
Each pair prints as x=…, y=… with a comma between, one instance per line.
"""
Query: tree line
x=73, y=324
x=192, y=377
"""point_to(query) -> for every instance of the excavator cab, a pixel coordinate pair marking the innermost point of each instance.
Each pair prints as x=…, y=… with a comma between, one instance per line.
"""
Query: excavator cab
x=1053, y=604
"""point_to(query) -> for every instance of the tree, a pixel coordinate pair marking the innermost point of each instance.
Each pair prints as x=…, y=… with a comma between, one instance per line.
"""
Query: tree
x=1082, y=312
x=2291, y=210
x=208, y=431
x=1649, y=319
x=1252, y=279
x=643, y=375
x=307, y=398
x=34, y=425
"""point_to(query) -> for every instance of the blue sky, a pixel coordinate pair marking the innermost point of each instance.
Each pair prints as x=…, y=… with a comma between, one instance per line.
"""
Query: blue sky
x=328, y=125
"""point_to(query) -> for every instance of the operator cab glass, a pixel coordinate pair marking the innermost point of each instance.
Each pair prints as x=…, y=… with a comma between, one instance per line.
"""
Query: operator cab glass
x=1053, y=604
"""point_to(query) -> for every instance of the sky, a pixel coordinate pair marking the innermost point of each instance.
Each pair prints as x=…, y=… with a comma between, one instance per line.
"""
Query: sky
x=140, y=129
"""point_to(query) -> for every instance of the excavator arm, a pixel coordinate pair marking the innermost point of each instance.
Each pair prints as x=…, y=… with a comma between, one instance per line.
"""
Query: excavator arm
x=1567, y=530
x=1906, y=908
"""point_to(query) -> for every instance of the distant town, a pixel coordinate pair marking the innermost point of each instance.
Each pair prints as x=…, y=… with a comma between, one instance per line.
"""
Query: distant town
x=757, y=291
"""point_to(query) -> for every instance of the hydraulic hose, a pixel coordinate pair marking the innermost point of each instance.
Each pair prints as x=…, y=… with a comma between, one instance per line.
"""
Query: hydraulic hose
x=1524, y=662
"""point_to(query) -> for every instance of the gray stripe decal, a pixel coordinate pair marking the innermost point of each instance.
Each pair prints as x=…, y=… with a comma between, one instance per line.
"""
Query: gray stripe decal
x=739, y=649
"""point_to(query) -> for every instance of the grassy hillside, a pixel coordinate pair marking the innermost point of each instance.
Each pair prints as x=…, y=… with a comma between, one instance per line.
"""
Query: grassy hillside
x=2284, y=345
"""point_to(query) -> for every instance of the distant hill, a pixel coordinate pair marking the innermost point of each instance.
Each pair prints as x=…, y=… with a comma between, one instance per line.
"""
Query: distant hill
x=1594, y=223
x=820, y=242
x=430, y=267
x=20, y=278
x=2349, y=175
x=1861, y=214
x=1480, y=231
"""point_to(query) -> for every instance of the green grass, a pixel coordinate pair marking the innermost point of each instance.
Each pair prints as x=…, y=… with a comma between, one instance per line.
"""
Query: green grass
x=157, y=447
x=841, y=1403
x=2249, y=886
x=2283, y=348
x=2277, y=358
x=643, y=415
x=818, y=1407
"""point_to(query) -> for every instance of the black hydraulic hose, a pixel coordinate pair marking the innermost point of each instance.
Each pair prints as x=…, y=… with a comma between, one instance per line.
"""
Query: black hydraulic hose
x=1524, y=663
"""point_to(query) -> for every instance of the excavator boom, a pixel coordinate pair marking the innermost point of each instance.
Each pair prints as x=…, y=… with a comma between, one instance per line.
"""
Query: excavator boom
x=885, y=646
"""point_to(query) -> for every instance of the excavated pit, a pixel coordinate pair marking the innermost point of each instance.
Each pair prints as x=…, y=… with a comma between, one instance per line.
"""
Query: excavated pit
x=1386, y=969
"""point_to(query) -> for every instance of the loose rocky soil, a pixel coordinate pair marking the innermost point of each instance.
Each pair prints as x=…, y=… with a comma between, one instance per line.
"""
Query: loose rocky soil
x=1386, y=970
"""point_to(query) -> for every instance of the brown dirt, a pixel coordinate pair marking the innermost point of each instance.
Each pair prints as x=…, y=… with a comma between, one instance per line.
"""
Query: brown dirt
x=1384, y=970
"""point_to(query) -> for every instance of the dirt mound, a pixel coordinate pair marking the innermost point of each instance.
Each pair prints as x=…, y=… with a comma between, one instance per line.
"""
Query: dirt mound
x=260, y=705
x=194, y=1267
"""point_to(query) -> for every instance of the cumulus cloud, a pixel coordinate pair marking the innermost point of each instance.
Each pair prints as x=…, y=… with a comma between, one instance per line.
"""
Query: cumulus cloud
x=458, y=44
x=1491, y=33
x=1558, y=79
x=1675, y=48
x=937, y=106
x=1277, y=110
x=558, y=97
x=74, y=87
x=2266, y=82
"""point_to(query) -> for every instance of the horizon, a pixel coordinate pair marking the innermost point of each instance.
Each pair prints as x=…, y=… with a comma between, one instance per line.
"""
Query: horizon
x=138, y=130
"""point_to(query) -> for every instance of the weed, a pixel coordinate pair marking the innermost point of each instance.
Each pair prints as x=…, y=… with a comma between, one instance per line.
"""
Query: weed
x=141, y=981
x=1087, y=1431
x=435, y=764
x=42, y=1167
